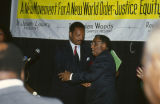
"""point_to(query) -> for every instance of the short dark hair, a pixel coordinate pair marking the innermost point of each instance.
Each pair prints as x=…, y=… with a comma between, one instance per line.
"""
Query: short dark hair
x=74, y=25
x=106, y=40
x=11, y=60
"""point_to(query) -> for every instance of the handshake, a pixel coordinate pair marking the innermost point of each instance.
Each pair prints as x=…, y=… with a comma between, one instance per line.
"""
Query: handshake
x=66, y=76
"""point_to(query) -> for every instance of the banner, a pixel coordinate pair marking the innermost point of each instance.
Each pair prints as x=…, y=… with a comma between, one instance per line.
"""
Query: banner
x=120, y=20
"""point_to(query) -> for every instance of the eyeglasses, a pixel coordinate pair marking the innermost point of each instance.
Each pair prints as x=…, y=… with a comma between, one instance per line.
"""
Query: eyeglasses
x=96, y=43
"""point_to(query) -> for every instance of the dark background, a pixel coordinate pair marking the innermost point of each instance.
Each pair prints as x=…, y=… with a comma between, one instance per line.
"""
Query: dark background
x=128, y=85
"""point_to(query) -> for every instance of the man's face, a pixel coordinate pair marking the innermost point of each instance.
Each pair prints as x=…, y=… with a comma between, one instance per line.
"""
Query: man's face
x=77, y=36
x=97, y=46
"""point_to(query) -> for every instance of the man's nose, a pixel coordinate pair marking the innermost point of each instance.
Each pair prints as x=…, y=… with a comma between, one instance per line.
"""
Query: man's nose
x=92, y=46
x=81, y=37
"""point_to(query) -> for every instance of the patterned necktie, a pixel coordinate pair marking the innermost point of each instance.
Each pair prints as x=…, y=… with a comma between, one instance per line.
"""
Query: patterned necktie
x=76, y=57
x=75, y=50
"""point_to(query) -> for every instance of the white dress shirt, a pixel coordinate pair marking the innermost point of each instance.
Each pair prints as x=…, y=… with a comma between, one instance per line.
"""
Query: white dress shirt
x=10, y=83
x=78, y=49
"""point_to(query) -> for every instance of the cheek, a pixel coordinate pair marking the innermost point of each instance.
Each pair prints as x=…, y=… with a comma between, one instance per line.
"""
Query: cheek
x=96, y=49
x=75, y=37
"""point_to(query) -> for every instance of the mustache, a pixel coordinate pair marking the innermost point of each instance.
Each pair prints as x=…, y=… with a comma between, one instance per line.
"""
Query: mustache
x=80, y=40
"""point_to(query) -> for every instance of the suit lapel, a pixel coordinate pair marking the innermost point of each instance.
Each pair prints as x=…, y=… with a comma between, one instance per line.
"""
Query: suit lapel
x=83, y=54
x=68, y=50
x=69, y=63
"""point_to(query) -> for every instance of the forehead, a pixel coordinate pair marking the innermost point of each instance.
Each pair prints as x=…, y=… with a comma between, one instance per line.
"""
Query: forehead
x=78, y=29
x=96, y=39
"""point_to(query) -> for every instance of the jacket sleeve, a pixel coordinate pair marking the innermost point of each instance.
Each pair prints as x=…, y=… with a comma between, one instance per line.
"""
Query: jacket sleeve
x=100, y=66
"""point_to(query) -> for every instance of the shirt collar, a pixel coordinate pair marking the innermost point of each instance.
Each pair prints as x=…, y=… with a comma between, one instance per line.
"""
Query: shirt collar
x=10, y=83
x=73, y=45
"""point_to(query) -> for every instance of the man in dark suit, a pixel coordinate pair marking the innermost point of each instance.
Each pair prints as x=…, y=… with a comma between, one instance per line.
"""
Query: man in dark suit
x=73, y=56
x=101, y=74
x=12, y=90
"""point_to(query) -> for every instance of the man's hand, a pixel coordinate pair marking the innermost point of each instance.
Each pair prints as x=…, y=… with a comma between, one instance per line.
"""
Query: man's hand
x=64, y=76
x=86, y=84
x=140, y=73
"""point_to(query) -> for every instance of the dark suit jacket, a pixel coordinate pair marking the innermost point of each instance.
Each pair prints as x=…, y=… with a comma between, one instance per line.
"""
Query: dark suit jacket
x=69, y=93
x=19, y=95
x=102, y=77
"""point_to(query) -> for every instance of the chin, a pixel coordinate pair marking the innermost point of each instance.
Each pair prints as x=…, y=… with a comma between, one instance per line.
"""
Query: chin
x=93, y=54
x=78, y=43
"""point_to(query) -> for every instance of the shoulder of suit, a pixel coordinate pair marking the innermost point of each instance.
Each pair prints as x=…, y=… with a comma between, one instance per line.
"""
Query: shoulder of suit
x=20, y=95
x=63, y=46
x=105, y=54
x=43, y=100
x=86, y=47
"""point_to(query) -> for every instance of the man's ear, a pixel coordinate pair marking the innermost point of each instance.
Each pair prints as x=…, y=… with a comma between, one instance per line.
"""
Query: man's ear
x=22, y=75
x=70, y=34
